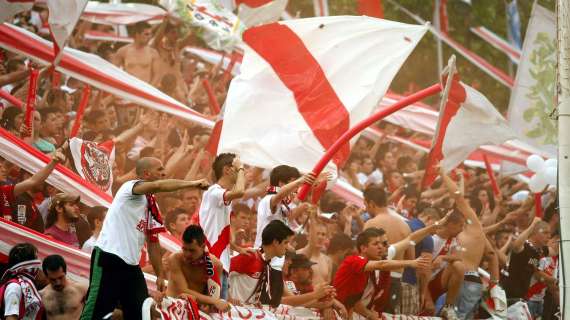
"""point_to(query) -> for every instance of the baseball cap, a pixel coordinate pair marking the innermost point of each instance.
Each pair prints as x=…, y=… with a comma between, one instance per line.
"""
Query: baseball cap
x=64, y=197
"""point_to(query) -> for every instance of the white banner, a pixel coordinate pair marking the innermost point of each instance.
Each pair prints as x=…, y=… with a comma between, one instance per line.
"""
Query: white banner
x=532, y=98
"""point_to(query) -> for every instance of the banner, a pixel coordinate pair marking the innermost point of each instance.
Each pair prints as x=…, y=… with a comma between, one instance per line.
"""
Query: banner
x=533, y=96
x=94, y=162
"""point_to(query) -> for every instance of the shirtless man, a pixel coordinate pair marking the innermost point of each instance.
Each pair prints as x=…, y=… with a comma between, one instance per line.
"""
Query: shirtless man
x=473, y=244
x=62, y=299
x=191, y=270
x=138, y=58
x=396, y=229
x=318, y=233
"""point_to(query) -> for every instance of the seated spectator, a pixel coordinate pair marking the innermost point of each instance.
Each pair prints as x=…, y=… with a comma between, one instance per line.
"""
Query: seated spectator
x=95, y=217
x=63, y=213
x=300, y=274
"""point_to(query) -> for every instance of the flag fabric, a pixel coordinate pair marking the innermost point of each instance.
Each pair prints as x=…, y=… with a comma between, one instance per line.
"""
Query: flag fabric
x=298, y=95
x=513, y=52
x=514, y=24
x=533, y=96
x=94, y=162
x=63, y=16
x=468, y=120
x=10, y=8
x=268, y=12
x=121, y=13
x=371, y=8
x=96, y=72
x=321, y=8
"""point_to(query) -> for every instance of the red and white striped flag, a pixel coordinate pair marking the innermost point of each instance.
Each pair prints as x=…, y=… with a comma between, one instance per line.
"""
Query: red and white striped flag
x=63, y=16
x=295, y=97
x=10, y=8
x=270, y=11
x=467, y=121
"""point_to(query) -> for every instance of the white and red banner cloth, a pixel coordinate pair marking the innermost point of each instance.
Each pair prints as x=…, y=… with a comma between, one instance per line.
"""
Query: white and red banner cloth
x=305, y=82
x=498, y=43
x=10, y=8
x=63, y=16
x=97, y=72
x=121, y=13
x=268, y=12
x=468, y=120
x=534, y=93
x=94, y=162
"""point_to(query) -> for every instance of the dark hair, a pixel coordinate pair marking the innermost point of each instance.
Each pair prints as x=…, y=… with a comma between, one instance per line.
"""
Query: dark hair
x=376, y=194
x=340, y=242
x=456, y=216
x=95, y=213
x=403, y=162
x=47, y=111
x=94, y=115
x=221, y=161
x=22, y=252
x=240, y=207
x=276, y=230
x=476, y=203
x=411, y=191
x=172, y=216
x=9, y=116
x=432, y=212
x=53, y=263
x=139, y=27
x=194, y=233
x=53, y=95
x=364, y=237
x=283, y=174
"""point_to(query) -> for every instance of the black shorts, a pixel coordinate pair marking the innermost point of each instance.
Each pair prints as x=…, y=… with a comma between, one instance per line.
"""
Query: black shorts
x=112, y=282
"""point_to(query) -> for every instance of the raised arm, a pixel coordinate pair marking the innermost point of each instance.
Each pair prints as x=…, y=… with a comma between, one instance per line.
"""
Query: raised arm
x=40, y=176
x=168, y=185
x=518, y=244
x=289, y=188
x=239, y=188
x=462, y=204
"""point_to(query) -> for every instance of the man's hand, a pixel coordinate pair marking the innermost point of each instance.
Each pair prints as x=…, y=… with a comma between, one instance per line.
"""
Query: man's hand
x=201, y=184
x=372, y=315
x=340, y=308
x=237, y=163
x=308, y=178
x=324, y=290
x=222, y=305
x=58, y=156
x=423, y=263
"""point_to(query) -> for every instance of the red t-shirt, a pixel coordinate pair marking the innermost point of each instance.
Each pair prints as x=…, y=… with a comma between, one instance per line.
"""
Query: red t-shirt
x=350, y=280
x=6, y=200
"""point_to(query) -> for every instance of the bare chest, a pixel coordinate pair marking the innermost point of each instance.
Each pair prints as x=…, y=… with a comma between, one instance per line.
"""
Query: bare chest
x=65, y=304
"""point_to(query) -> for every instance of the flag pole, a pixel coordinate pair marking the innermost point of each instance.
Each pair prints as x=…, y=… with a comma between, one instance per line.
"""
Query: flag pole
x=563, y=90
x=359, y=127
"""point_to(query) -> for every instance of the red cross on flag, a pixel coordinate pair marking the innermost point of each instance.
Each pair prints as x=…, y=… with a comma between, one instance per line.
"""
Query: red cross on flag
x=304, y=82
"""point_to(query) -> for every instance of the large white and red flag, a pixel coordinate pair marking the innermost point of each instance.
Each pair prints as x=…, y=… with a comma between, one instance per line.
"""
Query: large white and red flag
x=467, y=121
x=94, y=162
x=63, y=16
x=10, y=8
x=305, y=82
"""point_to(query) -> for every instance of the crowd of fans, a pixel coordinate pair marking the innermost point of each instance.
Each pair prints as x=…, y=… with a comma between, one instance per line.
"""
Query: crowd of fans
x=407, y=251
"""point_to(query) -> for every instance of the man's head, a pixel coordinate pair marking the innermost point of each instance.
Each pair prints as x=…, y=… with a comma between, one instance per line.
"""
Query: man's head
x=177, y=221
x=455, y=224
x=282, y=175
x=394, y=179
x=300, y=270
x=97, y=120
x=191, y=200
x=375, y=198
x=22, y=252
x=540, y=234
x=386, y=160
x=372, y=243
x=340, y=244
x=367, y=166
x=429, y=215
x=55, y=269
x=318, y=235
x=193, y=243
x=64, y=208
x=149, y=169
x=51, y=123
x=412, y=196
x=240, y=216
x=95, y=217
x=275, y=238
x=142, y=32
x=223, y=166
x=501, y=238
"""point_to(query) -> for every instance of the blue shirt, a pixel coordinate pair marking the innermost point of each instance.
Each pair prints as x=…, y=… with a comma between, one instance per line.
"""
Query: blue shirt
x=426, y=245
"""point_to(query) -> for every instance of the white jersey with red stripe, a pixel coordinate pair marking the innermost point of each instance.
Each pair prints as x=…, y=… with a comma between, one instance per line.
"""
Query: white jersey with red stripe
x=442, y=247
x=215, y=220
x=537, y=288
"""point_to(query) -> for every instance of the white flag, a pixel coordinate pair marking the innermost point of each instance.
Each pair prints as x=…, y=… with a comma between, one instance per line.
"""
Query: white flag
x=63, y=16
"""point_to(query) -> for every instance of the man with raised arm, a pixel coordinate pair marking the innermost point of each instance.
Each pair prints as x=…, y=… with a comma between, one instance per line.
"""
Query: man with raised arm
x=132, y=219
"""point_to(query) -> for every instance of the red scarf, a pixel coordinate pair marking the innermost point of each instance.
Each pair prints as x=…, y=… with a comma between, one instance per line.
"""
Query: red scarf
x=154, y=219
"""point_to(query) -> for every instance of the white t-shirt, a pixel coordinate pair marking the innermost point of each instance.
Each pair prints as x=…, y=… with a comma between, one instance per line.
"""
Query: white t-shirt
x=375, y=177
x=264, y=216
x=89, y=244
x=125, y=225
x=215, y=220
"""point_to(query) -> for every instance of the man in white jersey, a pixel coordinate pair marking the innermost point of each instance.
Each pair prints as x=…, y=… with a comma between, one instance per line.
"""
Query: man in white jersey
x=133, y=217
x=283, y=182
x=215, y=209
